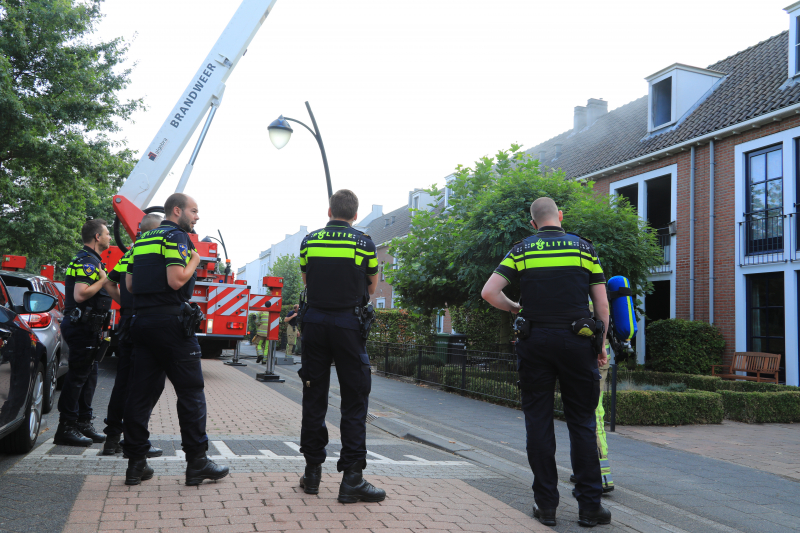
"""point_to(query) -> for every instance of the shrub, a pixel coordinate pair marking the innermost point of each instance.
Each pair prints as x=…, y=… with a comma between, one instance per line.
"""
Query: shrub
x=753, y=386
x=653, y=408
x=400, y=326
x=485, y=328
x=677, y=345
x=762, y=407
x=644, y=377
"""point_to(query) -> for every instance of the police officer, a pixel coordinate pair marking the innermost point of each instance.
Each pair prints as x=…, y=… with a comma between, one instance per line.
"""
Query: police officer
x=340, y=269
x=161, y=276
x=119, y=394
x=262, y=332
x=558, y=272
x=87, y=305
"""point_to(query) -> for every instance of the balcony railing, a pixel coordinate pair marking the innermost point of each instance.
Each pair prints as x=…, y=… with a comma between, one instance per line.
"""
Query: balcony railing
x=761, y=239
x=665, y=242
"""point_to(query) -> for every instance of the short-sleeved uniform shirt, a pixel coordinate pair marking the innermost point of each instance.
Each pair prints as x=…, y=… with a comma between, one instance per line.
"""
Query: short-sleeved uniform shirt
x=84, y=268
x=116, y=275
x=153, y=252
x=555, y=270
x=337, y=260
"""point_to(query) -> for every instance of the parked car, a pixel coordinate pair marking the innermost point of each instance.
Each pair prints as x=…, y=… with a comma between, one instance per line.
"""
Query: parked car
x=46, y=326
x=22, y=362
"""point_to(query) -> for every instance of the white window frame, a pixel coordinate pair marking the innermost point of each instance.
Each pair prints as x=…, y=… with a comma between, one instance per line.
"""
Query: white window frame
x=440, y=323
x=380, y=303
x=641, y=180
x=790, y=269
x=794, y=40
x=673, y=101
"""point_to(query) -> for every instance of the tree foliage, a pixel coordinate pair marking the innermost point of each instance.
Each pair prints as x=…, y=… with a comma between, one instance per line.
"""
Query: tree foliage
x=58, y=103
x=449, y=254
x=288, y=267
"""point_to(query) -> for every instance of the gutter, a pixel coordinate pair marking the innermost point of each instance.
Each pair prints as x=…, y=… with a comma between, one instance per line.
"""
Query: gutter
x=711, y=232
x=691, y=234
x=741, y=127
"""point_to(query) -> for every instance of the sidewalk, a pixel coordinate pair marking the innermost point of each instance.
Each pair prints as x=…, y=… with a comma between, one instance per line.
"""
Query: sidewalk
x=254, y=428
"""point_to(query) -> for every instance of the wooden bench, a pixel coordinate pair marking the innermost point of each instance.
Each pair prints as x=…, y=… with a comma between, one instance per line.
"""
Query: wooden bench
x=753, y=362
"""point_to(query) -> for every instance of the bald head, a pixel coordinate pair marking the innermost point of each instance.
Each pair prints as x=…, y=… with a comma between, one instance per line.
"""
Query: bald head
x=544, y=212
x=150, y=221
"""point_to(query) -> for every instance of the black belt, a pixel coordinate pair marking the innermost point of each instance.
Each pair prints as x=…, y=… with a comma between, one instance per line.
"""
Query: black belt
x=159, y=310
x=125, y=311
x=552, y=325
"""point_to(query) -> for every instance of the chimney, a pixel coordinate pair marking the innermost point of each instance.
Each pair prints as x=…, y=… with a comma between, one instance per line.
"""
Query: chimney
x=579, y=119
x=541, y=155
x=595, y=109
x=558, y=150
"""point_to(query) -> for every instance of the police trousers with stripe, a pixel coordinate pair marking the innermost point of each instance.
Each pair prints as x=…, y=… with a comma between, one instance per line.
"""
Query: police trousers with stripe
x=544, y=357
x=160, y=350
x=327, y=338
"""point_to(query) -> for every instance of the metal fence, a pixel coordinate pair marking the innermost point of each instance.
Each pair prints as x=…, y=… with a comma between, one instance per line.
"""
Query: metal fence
x=761, y=239
x=471, y=372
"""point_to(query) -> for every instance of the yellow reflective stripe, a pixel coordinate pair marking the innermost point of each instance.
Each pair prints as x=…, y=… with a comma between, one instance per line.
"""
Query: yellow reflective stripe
x=508, y=262
x=372, y=263
x=173, y=254
x=541, y=262
x=596, y=268
x=303, y=261
x=148, y=249
x=331, y=252
x=351, y=243
x=630, y=312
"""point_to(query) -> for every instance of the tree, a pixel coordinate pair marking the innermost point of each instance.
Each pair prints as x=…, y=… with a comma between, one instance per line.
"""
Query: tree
x=58, y=103
x=449, y=254
x=288, y=267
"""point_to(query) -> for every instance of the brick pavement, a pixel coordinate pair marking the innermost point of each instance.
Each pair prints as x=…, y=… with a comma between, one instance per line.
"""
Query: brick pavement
x=274, y=502
x=237, y=405
x=773, y=448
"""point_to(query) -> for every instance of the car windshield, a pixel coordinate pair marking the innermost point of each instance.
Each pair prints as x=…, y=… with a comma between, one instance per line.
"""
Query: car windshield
x=15, y=293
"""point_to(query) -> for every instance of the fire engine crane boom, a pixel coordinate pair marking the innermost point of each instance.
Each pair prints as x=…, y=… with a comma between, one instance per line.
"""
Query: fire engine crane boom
x=203, y=94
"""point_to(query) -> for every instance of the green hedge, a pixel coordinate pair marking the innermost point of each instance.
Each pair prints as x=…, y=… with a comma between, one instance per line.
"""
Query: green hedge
x=693, y=381
x=686, y=346
x=656, y=408
x=761, y=407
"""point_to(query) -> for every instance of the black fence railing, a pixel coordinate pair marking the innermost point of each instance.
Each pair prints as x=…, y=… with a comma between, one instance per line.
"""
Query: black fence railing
x=761, y=239
x=470, y=372
x=665, y=242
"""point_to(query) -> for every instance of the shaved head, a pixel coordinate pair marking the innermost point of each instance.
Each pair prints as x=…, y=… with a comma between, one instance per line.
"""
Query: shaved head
x=544, y=212
x=150, y=221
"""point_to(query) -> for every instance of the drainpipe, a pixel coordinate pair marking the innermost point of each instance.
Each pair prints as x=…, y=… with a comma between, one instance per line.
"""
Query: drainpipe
x=711, y=232
x=691, y=236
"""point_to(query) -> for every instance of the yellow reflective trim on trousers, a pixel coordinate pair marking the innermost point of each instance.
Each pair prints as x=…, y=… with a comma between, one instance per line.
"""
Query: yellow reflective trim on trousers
x=630, y=312
x=331, y=252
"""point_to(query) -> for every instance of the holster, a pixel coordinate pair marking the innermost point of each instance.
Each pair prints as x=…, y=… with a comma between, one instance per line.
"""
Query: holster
x=301, y=313
x=124, y=334
x=191, y=316
x=366, y=316
x=522, y=328
x=599, y=336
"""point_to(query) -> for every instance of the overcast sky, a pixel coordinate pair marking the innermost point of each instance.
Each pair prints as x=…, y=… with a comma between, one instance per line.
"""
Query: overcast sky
x=402, y=91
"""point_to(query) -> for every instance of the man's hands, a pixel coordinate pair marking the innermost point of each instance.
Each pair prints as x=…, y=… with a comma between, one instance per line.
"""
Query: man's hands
x=493, y=293
x=602, y=358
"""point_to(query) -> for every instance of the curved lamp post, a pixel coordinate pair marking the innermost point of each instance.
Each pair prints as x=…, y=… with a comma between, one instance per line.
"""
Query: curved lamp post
x=280, y=132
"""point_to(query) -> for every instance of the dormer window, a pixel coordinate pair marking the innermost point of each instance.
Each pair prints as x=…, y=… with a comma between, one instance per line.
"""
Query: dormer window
x=675, y=91
x=794, y=39
x=415, y=202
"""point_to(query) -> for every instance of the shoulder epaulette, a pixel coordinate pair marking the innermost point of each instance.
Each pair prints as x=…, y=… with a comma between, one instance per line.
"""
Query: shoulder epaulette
x=580, y=237
x=366, y=235
x=516, y=243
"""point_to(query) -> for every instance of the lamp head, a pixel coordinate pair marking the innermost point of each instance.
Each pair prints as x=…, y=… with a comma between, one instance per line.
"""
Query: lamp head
x=280, y=132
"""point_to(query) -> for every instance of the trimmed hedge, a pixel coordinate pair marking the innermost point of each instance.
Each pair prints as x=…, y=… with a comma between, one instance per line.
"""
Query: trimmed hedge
x=656, y=408
x=685, y=346
x=693, y=381
x=761, y=407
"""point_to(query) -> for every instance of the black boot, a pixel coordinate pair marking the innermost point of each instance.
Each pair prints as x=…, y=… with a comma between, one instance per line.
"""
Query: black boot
x=310, y=480
x=152, y=452
x=592, y=518
x=138, y=471
x=354, y=487
x=68, y=435
x=545, y=516
x=111, y=446
x=200, y=468
x=88, y=430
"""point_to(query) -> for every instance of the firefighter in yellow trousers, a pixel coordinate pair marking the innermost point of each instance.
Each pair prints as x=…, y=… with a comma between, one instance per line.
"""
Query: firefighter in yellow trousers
x=262, y=331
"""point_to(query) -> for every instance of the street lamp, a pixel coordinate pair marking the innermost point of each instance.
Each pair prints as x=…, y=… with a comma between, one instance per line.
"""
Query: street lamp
x=280, y=132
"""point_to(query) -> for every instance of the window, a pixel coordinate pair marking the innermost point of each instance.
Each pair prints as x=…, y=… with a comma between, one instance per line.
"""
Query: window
x=3, y=295
x=380, y=303
x=383, y=265
x=440, y=323
x=662, y=102
x=764, y=203
x=797, y=45
x=765, y=315
x=415, y=202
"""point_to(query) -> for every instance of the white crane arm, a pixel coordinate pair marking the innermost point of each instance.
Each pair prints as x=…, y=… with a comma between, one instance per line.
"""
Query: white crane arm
x=204, y=90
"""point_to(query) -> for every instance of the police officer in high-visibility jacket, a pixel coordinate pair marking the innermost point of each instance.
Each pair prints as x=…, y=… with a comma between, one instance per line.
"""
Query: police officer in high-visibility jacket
x=340, y=269
x=161, y=276
x=558, y=272
x=119, y=393
x=262, y=333
x=88, y=296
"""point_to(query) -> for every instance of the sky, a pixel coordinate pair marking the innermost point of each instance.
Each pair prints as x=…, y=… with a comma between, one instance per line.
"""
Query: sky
x=402, y=92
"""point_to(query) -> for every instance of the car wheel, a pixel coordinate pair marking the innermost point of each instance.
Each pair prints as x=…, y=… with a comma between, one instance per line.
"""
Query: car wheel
x=50, y=383
x=24, y=437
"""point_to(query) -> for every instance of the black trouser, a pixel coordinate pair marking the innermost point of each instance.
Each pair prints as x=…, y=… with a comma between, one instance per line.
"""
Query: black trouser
x=547, y=355
x=327, y=338
x=161, y=351
x=75, y=402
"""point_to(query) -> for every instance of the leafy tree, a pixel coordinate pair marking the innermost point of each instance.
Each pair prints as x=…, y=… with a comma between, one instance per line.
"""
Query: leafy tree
x=58, y=103
x=288, y=267
x=449, y=254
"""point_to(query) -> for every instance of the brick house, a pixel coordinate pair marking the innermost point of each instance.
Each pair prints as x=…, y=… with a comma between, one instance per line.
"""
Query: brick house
x=711, y=159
